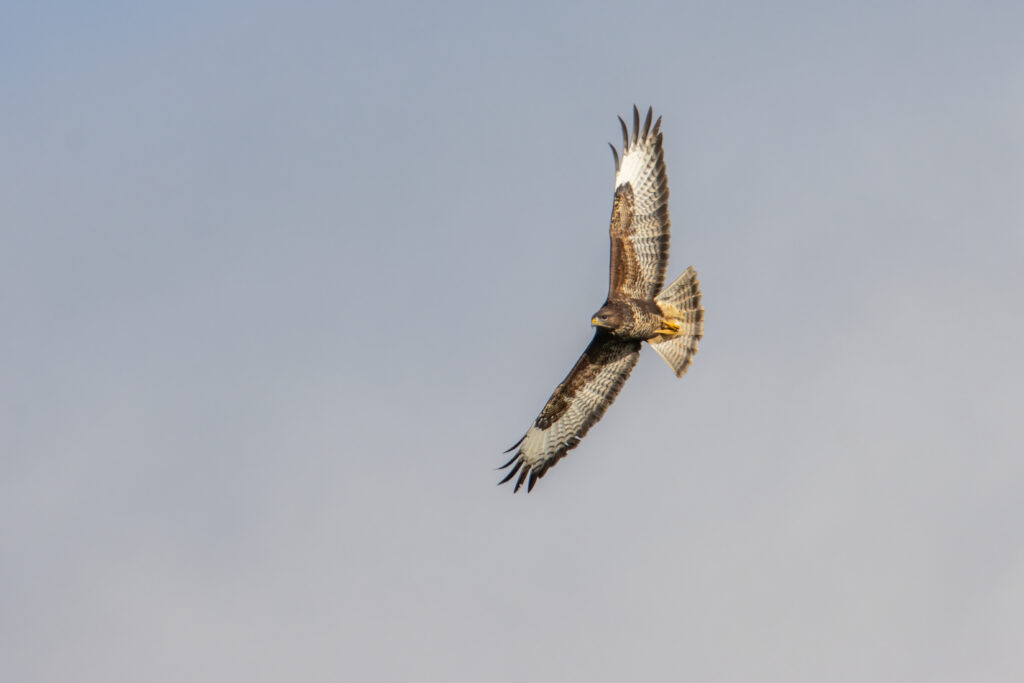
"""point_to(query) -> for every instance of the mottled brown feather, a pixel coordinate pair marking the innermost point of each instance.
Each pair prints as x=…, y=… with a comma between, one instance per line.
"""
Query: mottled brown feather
x=640, y=224
x=575, y=406
x=624, y=268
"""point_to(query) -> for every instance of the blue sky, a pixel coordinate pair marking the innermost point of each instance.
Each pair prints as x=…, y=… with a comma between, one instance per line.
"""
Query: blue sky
x=281, y=282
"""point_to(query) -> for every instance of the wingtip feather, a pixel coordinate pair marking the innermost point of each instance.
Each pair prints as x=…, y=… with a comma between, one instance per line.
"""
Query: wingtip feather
x=514, y=457
x=515, y=445
x=511, y=473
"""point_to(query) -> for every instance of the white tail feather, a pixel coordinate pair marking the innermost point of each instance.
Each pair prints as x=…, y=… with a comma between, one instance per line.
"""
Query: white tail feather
x=680, y=305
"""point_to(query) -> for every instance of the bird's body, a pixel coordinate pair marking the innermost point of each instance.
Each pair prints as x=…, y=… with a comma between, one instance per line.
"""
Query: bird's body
x=636, y=309
x=629, y=318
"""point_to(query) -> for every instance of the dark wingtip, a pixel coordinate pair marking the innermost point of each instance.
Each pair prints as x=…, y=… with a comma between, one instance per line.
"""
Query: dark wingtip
x=647, y=123
x=511, y=473
x=516, y=444
x=657, y=127
x=520, y=480
x=625, y=135
x=636, y=123
x=533, y=480
x=615, y=155
x=509, y=462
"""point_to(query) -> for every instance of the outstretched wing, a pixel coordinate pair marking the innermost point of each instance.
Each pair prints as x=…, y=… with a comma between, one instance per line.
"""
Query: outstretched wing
x=639, y=225
x=578, y=402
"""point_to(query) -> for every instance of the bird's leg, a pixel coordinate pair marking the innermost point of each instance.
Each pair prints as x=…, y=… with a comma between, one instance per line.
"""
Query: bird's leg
x=669, y=328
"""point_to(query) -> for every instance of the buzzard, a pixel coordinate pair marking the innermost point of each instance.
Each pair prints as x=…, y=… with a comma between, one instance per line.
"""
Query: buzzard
x=637, y=310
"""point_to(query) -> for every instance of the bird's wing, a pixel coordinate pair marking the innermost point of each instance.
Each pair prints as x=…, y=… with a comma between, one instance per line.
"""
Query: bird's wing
x=640, y=224
x=578, y=402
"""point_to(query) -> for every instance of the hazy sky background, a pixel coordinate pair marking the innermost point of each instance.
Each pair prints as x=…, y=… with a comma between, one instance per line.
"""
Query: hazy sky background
x=279, y=282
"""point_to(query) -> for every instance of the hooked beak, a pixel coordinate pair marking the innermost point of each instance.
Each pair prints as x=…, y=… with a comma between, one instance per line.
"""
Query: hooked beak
x=596, y=322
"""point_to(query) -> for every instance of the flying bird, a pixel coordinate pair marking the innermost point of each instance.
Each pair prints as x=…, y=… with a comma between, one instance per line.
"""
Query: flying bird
x=636, y=310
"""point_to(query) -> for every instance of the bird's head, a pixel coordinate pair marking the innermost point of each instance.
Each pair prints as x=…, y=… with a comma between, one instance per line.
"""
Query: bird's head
x=608, y=317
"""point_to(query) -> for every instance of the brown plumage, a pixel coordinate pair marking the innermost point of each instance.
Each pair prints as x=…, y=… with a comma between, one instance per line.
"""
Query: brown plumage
x=636, y=309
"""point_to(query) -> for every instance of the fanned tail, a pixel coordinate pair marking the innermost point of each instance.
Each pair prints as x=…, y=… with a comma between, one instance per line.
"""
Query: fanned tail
x=680, y=304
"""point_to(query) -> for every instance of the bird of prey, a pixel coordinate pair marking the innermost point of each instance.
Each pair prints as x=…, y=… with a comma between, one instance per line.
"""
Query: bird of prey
x=636, y=310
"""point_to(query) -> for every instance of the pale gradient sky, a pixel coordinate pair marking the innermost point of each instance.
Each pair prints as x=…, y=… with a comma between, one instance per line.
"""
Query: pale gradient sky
x=281, y=281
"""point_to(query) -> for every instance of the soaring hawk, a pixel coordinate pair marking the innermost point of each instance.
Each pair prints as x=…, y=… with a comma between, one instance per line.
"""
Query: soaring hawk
x=637, y=310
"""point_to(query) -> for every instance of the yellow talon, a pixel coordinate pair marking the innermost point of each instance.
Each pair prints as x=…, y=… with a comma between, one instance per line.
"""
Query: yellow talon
x=669, y=328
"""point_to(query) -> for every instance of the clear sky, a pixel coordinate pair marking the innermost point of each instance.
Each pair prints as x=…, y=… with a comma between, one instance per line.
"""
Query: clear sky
x=279, y=282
